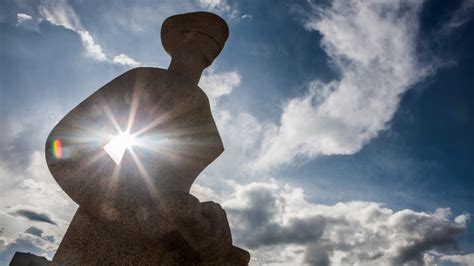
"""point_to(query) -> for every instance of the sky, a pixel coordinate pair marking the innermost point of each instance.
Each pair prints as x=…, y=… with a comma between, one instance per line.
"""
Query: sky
x=347, y=125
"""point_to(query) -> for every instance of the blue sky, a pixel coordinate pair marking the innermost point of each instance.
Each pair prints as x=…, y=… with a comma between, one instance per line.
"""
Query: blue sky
x=347, y=125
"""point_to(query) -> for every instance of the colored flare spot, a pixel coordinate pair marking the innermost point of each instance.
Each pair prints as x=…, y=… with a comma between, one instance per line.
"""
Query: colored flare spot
x=57, y=149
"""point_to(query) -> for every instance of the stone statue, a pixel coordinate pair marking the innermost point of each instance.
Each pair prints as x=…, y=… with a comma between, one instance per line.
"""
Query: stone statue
x=137, y=209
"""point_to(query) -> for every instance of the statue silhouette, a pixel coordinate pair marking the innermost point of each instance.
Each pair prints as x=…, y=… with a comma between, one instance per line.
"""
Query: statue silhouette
x=138, y=210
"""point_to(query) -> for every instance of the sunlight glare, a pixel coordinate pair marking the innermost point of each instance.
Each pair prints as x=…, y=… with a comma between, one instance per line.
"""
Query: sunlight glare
x=117, y=146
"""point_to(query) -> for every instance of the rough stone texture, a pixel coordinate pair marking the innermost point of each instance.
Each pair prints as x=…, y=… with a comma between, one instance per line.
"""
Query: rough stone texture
x=94, y=242
x=140, y=211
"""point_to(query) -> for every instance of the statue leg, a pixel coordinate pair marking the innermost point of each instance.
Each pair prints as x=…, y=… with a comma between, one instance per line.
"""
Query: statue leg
x=89, y=241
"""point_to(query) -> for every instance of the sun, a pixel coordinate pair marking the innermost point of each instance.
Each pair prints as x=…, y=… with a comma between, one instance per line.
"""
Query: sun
x=118, y=145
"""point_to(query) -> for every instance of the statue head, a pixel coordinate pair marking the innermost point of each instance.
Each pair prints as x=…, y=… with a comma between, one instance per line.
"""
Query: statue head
x=201, y=35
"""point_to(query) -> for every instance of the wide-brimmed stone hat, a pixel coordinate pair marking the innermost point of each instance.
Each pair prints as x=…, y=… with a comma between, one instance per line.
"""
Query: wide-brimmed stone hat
x=210, y=24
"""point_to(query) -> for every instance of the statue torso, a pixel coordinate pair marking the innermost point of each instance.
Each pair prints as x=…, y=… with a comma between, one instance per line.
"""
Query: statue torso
x=178, y=140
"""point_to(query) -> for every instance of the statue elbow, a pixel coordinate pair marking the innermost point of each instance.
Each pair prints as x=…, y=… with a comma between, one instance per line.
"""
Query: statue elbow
x=221, y=147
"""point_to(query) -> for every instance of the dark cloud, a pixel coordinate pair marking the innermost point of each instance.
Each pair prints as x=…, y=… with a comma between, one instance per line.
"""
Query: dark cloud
x=435, y=234
x=263, y=207
x=33, y=215
x=49, y=238
x=39, y=233
x=317, y=254
x=298, y=231
x=34, y=231
x=260, y=213
x=263, y=216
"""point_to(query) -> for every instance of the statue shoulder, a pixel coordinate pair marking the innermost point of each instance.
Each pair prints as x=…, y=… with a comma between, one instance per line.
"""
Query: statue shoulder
x=146, y=70
x=143, y=72
x=135, y=77
x=201, y=94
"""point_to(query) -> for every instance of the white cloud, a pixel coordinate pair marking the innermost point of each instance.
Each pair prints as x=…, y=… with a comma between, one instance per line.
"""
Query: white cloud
x=215, y=5
x=93, y=50
x=60, y=13
x=464, y=260
x=203, y=193
x=242, y=134
x=23, y=18
x=270, y=219
x=27, y=22
x=32, y=199
x=35, y=240
x=373, y=46
x=123, y=59
x=219, y=84
x=219, y=6
x=240, y=131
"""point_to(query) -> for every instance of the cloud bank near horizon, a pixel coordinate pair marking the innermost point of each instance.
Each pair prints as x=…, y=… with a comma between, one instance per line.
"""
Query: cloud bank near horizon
x=271, y=218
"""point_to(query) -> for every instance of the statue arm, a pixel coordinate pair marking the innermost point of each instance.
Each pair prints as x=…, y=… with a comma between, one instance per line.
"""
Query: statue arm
x=213, y=139
x=203, y=226
x=77, y=139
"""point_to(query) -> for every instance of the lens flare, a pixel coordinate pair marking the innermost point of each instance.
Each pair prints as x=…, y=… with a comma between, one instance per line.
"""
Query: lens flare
x=57, y=149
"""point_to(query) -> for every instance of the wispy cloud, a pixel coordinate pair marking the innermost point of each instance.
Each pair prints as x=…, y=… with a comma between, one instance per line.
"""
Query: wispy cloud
x=460, y=16
x=373, y=47
x=219, y=6
x=62, y=14
x=123, y=59
x=215, y=5
x=467, y=259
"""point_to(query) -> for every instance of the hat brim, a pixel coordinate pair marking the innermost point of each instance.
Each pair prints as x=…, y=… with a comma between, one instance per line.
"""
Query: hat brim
x=209, y=24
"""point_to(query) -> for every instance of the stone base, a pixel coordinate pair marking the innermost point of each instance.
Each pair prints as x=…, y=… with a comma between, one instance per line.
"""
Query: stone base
x=90, y=242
